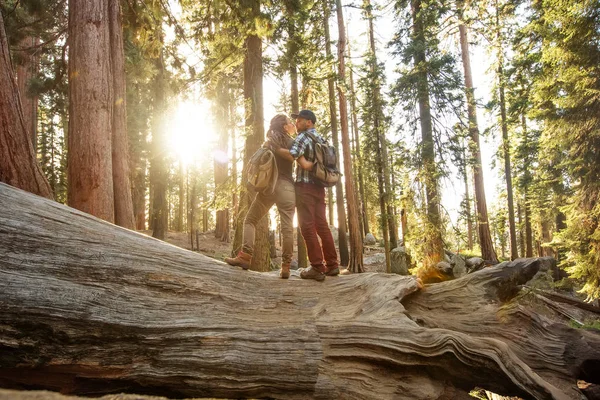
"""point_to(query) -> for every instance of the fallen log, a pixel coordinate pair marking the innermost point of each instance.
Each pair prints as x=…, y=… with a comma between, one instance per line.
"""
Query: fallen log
x=89, y=308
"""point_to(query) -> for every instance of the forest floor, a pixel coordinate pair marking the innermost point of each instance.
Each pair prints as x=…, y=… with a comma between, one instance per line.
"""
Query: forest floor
x=209, y=245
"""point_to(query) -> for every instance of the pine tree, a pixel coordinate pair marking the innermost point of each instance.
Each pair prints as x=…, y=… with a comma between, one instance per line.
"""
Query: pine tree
x=429, y=83
x=356, y=245
x=18, y=165
x=570, y=111
x=485, y=239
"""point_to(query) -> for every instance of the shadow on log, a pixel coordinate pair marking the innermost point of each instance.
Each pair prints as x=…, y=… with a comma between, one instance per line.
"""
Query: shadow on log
x=89, y=308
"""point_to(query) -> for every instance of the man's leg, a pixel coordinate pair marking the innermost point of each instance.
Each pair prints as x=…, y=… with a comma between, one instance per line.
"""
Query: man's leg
x=324, y=233
x=305, y=203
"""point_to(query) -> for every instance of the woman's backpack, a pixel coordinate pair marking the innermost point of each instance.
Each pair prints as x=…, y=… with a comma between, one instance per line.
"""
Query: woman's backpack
x=262, y=171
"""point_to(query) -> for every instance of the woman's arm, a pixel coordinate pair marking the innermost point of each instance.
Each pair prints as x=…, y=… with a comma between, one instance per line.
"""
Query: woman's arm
x=305, y=164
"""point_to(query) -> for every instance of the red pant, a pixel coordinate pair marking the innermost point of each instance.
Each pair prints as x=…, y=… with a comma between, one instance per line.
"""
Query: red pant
x=310, y=202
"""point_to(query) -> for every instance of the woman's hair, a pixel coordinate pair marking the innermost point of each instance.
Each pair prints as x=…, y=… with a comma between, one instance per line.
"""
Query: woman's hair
x=277, y=134
x=278, y=122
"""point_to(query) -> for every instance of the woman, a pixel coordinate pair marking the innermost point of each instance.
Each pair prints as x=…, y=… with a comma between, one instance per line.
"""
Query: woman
x=279, y=135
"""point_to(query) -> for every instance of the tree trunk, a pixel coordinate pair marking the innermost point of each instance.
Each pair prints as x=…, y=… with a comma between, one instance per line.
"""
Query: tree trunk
x=181, y=208
x=120, y=147
x=220, y=164
x=467, y=199
x=339, y=192
x=100, y=310
x=514, y=251
x=158, y=167
x=139, y=195
x=27, y=69
x=485, y=238
x=192, y=216
x=356, y=245
x=18, y=164
x=358, y=157
x=528, y=229
x=253, y=103
x=292, y=8
x=91, y=103
x=387, y=216
x=434, y=251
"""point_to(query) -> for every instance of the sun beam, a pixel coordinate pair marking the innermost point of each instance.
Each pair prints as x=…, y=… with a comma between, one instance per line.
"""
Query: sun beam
x=191, y=132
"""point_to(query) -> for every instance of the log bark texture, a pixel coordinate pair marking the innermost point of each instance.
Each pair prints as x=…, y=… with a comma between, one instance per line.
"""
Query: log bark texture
x=92, y=308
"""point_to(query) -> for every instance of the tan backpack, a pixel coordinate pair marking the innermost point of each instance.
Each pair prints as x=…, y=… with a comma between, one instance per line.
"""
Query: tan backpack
x=262, y=171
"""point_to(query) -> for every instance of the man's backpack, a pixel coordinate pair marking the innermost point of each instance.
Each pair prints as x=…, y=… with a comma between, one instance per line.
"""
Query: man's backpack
x=325, y=171
x=262, y=171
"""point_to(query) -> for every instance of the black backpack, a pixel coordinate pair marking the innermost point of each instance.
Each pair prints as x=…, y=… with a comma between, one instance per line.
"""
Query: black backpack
x=325, y=171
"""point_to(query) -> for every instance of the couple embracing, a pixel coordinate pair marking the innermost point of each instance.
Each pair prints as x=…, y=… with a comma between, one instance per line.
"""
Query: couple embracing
x=303, y=193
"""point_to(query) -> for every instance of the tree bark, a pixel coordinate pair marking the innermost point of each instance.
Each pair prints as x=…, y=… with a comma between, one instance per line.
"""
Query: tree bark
x=467, y=200
x=434, y=251
x=91, y=98
x=18, y=164
x=27, y=68
x=124, y=215
x=388, y=222
x=359, y=161
x=339, y=192
x=485, y=238
x=158, y=168
x=356, y=245
x=220, y=164
x=98, y=310
x=514, y=251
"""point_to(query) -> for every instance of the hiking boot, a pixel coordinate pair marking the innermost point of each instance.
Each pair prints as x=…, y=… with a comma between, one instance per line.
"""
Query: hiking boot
x=241, y=260
x=333, y=271
x=312, y=273
x=284, y=273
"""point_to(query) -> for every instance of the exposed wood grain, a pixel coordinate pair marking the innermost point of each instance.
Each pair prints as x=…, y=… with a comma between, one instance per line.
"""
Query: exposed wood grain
x=92, y=308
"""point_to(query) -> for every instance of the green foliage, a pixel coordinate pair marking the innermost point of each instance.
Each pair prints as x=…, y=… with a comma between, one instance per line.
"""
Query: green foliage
x=568, y=104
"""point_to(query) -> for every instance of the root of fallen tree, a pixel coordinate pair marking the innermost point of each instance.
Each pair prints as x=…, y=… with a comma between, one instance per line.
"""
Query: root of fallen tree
x=89, y=308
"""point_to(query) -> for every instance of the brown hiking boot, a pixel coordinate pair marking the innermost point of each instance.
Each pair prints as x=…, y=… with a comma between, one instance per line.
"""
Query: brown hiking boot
x=284, y=273
x=312, y=273
x=241, y=260
x=333, y=271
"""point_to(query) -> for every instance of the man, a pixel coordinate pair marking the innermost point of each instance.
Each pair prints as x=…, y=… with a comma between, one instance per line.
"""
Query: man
x=310, y=201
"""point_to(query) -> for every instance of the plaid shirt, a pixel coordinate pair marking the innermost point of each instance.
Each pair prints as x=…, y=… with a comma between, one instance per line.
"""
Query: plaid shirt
x=303, y=146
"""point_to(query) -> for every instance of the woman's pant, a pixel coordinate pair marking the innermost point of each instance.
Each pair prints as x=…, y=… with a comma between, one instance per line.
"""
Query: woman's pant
x=284, y=197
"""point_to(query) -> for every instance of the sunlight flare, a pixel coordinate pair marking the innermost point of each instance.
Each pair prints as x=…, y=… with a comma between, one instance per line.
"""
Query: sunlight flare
x=192, y=135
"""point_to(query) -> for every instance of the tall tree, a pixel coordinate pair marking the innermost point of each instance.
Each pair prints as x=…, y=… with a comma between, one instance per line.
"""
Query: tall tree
x=339, y=192
x=485, y=238
x=412, y=86
x=158, y=162
x=293, y=46
x=566, y=101
x=119, y=140
x=18, y=164
x=220, y=161
x=356, y=245
x=27, y=68
x=358, y=153
x=254, y=123
x=374, y=119
x=91, y=101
